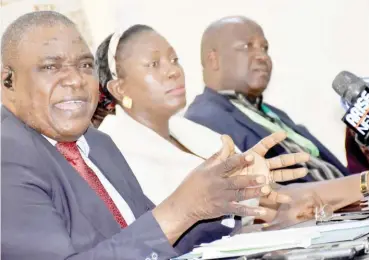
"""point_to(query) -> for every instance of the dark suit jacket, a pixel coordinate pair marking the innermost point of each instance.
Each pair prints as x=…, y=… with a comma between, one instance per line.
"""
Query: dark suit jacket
x=48, y=212
x=216, y=112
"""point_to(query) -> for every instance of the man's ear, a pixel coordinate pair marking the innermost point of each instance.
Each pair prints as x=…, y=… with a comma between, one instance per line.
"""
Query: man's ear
x=213, y=59
x=8, y=94
x=7, y=78
x=116, y=88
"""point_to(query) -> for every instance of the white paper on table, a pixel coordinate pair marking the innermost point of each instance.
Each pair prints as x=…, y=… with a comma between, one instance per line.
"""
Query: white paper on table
x=262, y=239
x=342, y=225
x=346, y=231
x=210, y=253
x=253, y=243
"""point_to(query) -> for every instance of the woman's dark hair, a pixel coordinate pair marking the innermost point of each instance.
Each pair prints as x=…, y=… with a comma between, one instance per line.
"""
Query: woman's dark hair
x=107, y=101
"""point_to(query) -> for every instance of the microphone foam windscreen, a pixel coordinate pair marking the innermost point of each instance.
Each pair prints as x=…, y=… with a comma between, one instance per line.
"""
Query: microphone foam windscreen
x=348, y=85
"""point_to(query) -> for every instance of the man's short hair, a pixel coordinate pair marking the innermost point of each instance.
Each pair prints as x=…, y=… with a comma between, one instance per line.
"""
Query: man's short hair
x=15, y=32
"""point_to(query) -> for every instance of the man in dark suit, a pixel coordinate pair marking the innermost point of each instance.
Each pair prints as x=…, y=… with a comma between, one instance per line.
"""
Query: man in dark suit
x=67, y=192
x=236, y=71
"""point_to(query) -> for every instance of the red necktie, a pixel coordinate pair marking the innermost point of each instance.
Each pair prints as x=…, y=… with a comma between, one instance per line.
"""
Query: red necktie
x=71, y=153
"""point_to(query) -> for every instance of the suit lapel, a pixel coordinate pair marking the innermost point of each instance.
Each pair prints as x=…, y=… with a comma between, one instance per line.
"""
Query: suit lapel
x=288, y=122
x=117, y=171
x=259, y=132
x=87, y=199
x=77, y=189
x=240, y=117
x=325, y=154
x=257, y=129
x=296, y=128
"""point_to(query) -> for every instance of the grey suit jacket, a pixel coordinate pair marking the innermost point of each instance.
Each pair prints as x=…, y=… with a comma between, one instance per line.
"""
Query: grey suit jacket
x=48, y=212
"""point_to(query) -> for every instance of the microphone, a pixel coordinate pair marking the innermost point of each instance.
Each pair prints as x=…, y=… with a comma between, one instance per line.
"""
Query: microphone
x=355, y=94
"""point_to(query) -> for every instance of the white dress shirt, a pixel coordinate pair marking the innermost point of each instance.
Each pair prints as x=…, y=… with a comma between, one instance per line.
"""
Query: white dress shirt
x=121, y=204
x=158, y=165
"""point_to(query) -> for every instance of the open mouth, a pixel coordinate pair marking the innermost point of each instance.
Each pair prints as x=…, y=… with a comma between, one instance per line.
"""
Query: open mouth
x=71, y=104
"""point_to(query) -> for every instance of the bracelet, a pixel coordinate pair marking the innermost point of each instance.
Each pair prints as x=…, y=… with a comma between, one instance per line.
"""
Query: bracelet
x=364, y=183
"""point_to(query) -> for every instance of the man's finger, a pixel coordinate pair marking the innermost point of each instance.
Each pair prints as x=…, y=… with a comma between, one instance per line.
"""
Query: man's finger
x=246, y=193
x=244, y=211
x=270, y=216
x=228, y=147
x=285, y=160
x=268, y=142
x=231, y=164
x=278, y=197
x=227, y=150
x=245, y=181
x=288, y=174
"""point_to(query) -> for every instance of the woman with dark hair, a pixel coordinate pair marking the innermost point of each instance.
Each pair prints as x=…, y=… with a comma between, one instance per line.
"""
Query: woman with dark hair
x=142, y=89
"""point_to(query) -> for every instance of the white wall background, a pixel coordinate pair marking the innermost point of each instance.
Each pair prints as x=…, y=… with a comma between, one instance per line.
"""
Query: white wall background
x=310, y=42
x=11, y=9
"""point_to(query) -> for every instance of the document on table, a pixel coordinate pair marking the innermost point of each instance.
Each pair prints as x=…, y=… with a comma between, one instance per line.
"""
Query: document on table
x=345, y=231
x=259, y=242
x=253, y=243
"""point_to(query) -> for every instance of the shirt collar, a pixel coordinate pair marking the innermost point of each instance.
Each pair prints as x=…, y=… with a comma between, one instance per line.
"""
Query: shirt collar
x=242, y=97
x=81, y=143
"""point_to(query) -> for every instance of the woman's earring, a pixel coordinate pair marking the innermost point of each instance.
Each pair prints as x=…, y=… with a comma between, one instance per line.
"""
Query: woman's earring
x=127, y=102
